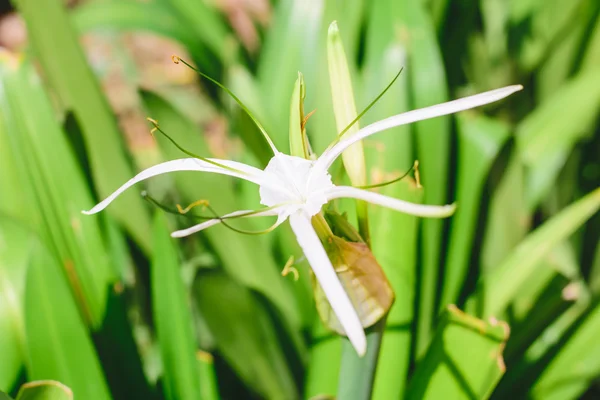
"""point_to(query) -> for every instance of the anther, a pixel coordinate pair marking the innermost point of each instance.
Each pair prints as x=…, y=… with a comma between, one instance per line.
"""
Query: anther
x=155, y=123
x=175, y=59
x=305, y=120
x=197, y=203
x=289, y=267
x=417, y=175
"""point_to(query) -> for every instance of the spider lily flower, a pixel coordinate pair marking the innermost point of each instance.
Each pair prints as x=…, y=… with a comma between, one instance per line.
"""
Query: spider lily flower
x=296, y=189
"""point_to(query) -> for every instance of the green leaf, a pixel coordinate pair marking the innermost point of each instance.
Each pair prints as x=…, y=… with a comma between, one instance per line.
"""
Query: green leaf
x=55, y=187
x=244, y=335
x=173, y=318
x=244, y=85
x=428, y=87
x=394, y=245
x=4, y=396
x=125, y=15
x=15, y=248
x=480, y=140
x=206, y=366
x=553, y=129
x=322, y=376
x=68, y=74
x=58, y=344
x=544, y=23
x=508, y=219
x=499, y=287
x=204, y=21
x=464, y=360
x=45, y=390
x=576, y=365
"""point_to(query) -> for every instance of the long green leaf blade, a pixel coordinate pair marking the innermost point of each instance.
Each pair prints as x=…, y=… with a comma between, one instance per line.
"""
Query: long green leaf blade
x=58, y=344
x=68, y=74
x=480, y=140
x=464, y=360
x=499, y=286
x=173, y=318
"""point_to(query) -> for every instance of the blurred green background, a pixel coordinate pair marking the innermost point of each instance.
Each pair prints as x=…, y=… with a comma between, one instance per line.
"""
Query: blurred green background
x=114, y=308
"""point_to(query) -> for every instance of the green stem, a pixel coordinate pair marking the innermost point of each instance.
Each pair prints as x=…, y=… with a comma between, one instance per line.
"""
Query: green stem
x=357, y=374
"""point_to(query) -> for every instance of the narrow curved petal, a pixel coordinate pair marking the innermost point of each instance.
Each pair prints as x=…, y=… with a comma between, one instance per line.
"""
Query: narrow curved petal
x=333, y=289
x=330, y=155
x=419, y=210
x=238, y=170
x=239, y=214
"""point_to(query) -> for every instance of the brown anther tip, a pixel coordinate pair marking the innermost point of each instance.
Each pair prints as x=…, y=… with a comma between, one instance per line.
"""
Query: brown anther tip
x=417, y=174
x=175, y=59
x=153, y=121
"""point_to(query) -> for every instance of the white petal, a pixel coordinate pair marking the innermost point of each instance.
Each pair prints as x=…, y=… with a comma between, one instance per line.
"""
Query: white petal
x=333, y=289
x=420, y=210
x=330, y=155
x=240, y=214
x=242, y=171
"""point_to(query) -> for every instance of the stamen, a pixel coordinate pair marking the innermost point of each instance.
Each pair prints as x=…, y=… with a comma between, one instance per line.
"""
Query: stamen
x=177, y=60
x=169, y=210
x=189, y=153
x=289, y=267
x=155, y=123
x=216, y=216
x=417, y=175
x=363, y=112
x=196, y=203
x=398, y=179
x=305, y=120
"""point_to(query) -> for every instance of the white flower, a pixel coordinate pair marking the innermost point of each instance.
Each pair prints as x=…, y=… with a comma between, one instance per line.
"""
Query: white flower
x=296, y=189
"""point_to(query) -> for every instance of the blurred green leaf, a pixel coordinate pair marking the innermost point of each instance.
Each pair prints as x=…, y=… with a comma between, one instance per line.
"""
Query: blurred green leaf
x=68, y=74
x=464, y=360
x=293, y=37
x=508, y=218
x=15, y=250
x=45, y=390
x=209, y=388
x=58, y=344
x=499, y=287
x=576, y=365
x=394, y=245
x=173, y=318
x=480, y=140
x=553, y=128
x=127, y=15
x=55, y=187
x=244, y=335
x=4, y=396
x=323, y=373
x=591, y=56
x=543, y=24
x=428, y=86
x=201, y=17
x=244, y=85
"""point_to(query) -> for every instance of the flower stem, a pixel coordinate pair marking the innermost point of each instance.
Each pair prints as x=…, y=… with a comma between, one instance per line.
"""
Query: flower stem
x=357, y=374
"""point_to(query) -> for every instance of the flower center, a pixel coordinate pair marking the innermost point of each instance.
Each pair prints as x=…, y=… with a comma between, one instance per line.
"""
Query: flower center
x=289, y=180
